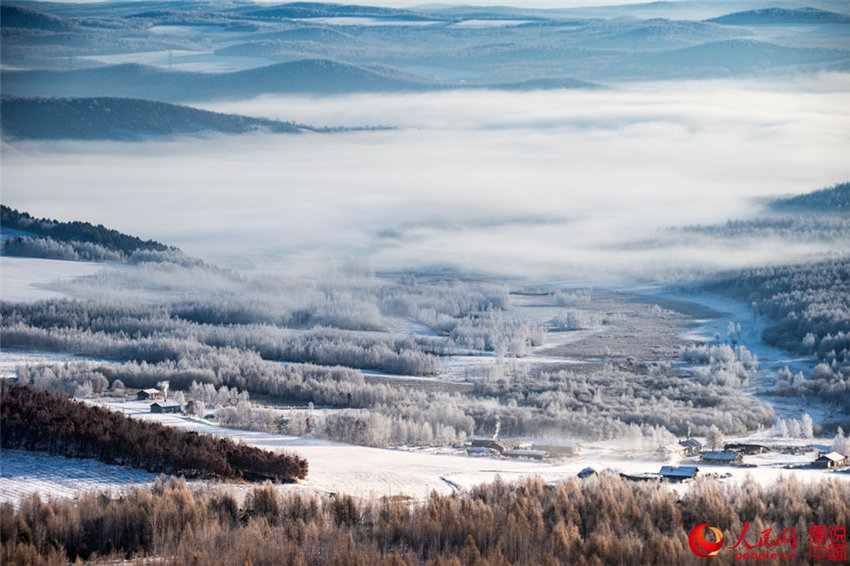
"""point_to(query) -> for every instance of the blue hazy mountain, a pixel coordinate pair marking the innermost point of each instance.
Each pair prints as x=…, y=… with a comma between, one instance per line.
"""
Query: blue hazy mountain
x=297, y=10
x=731, y=58
x=25, y=18
x=321, y=48
x=132, y=80
x=782, y=16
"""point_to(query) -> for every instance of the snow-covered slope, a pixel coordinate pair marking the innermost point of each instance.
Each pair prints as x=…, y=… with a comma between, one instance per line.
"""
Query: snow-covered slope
x=26, y=279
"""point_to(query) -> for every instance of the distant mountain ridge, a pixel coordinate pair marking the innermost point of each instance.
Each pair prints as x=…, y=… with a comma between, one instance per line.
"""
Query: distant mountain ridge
x=735, y=56
x=132, y=80
x=18, y=17
x=120, y=119
x=782, y=16
x=298, y=10
x=549, y=84
x=308, y=76
x=319, y=48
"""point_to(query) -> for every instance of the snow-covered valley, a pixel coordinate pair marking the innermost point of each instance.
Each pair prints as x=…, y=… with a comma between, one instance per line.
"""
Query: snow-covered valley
x=414, y=472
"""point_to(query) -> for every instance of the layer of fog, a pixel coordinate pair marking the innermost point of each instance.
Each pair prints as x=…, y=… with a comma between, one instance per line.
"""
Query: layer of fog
x=546, y=184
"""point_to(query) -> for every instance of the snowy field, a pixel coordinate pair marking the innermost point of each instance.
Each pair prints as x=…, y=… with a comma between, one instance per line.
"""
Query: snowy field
x=11, y=359
x=358, y=470
x=373, y=472
x=23, y=473
x=28, y=279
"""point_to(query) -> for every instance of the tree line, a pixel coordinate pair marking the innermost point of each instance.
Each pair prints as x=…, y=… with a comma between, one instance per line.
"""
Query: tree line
x=76, y=231
x=48, y=248
x=159, y=334
x=40, y=420
x=601, y=520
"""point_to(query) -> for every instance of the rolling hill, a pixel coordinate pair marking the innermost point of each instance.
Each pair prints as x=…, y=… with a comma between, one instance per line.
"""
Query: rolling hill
x=737, y=57
x=18, y=17
x=833, y=199
x=299, y=10
x=782, y=16
x=131, y=80
x=119, y=119
x=230, y=49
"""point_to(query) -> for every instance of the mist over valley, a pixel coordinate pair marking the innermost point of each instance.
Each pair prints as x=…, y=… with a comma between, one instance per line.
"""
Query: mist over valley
x=480, y=283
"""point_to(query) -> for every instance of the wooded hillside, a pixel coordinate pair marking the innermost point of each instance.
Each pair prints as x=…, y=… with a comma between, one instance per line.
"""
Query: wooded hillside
x=43, y=421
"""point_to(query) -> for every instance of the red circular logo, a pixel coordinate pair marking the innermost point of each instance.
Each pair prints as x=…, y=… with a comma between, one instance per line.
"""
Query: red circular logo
x=700, y=545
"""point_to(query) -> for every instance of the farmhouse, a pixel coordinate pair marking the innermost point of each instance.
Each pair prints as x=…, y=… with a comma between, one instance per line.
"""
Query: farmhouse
x=533, y=454
x=586, y=473
x=166, y=407
x=146, y=394
x=558, y=447
x=747, y=448
x=830, y=461
x=640, y=477
x=488, y=443
x=692, y=446
x=480, y=451
x=723, y=458
x=678, y=473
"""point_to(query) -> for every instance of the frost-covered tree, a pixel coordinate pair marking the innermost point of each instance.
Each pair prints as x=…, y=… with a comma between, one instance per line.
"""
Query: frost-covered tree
x=807, y=426
x=840, y=443
x=714, y=438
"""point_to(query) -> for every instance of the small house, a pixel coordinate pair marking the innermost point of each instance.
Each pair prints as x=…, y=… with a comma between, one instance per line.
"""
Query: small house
x=533, y=454
x=678, y=473
x=830, y=461
x=640, y=477
x=586, y=473
x=488, y=443
x=558, y=447
x=723, y=458
x=748, y=449
x=692, y=446
x=166, y=407
x=147, y=394
x=480, y=451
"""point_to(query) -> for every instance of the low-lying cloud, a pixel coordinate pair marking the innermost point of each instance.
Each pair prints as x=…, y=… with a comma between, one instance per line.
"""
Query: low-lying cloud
x=554, y=183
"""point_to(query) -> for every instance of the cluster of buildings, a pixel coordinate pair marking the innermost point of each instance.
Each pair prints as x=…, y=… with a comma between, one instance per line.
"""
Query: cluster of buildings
x=537, y=451
x=731, y=455
x=160, y=404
